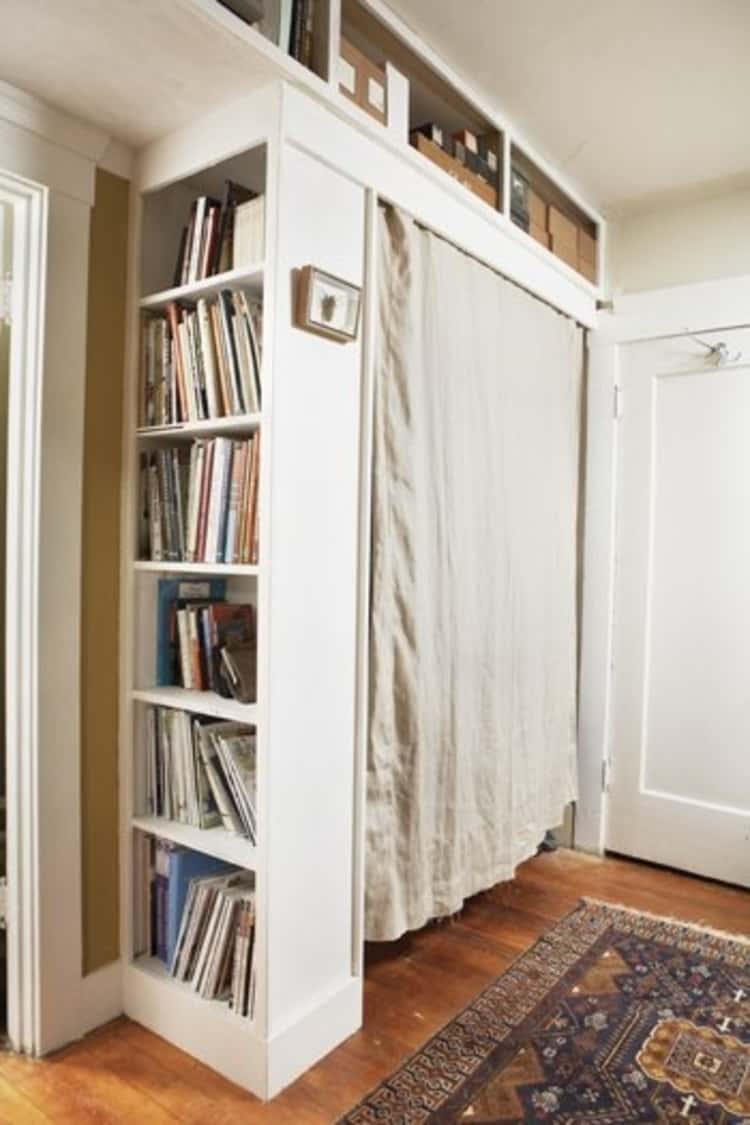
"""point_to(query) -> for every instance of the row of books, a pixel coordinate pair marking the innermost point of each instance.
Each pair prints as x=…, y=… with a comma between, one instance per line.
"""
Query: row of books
x=196, y=914
x=201, y=361
x=200, y=771
x=215, y=238
x=216, y=941
x=205, y=643
x=201, y=503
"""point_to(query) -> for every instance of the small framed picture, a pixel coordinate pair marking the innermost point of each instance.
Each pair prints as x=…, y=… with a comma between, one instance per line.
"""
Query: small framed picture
x=328, y=305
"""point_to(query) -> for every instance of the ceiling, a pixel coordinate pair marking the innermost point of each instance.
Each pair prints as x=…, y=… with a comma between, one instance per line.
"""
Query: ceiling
x=136, y=68
x=637, y=100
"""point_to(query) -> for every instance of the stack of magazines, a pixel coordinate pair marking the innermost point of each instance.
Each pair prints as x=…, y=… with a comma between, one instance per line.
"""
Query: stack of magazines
x=201, y=771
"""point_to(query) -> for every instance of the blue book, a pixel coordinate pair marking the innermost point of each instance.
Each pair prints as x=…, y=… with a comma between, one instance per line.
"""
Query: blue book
x=173, y=594
x=185, y=865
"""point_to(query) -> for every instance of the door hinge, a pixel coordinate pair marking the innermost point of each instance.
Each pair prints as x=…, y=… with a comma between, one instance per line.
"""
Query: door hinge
x=617, y=402
x=6, y=300
x=606, y=772
x=3, y=902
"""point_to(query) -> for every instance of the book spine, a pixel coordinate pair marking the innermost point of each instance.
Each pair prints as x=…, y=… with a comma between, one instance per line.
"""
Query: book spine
x=226, y=401
x=183, y=638
x=209, y=361
x=173, y=316
x=199, y=234
x=204, y=501
x=235, y=498
x=225, y=306
x=157, y=550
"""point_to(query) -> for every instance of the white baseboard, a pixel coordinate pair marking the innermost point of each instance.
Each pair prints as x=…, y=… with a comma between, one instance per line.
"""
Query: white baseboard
x=101, y=997
x=304, y=1042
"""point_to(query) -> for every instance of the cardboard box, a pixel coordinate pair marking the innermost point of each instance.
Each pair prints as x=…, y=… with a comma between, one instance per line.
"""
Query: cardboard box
x=361, y=80
x=564, y=250
x=537, y=209
x=468, y=140
x=586, y=247
x=562, y=229
x=540, y=233
x=488, y=150
x=450, y=165
x=588, y=269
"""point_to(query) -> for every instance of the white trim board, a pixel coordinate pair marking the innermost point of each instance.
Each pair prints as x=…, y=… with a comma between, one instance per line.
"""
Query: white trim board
x=701, y=307
x=24, y=925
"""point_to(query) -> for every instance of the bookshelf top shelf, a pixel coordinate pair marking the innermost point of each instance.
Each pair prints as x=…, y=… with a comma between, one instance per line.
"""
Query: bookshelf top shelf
x=245, y=277
x=216, y=842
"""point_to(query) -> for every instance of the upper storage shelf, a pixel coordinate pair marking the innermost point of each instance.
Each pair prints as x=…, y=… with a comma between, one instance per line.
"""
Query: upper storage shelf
x=168, y=227
x=389, y=80
x=398, y=82
x=540, y=207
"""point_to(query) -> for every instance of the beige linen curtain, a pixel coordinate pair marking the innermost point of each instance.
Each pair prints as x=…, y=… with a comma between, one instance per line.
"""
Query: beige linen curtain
x=473, y=632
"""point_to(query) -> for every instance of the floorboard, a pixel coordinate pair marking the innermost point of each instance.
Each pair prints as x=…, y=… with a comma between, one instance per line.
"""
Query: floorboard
x=123, y=1073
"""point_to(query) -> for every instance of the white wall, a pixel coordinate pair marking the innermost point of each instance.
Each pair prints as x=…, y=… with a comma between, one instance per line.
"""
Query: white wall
x=703, y=240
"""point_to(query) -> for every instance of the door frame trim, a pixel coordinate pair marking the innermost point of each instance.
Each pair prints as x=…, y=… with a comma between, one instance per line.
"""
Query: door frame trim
x=29, y=202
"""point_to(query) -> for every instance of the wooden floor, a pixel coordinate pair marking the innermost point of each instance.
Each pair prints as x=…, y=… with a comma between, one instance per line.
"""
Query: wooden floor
x=124, y=1074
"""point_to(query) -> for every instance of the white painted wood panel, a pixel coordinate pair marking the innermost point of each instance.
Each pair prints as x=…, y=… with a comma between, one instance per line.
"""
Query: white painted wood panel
x=312, y=455
x=680, y=792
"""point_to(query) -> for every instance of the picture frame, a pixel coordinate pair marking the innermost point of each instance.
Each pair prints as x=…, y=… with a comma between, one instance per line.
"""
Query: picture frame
x=328, y=305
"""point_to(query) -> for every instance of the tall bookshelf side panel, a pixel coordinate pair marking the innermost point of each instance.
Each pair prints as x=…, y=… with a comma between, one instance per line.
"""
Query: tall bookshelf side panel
x=314, y=464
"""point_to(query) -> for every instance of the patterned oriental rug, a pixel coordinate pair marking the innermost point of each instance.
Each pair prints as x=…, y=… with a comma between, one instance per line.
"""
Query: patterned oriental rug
x=612, y=1017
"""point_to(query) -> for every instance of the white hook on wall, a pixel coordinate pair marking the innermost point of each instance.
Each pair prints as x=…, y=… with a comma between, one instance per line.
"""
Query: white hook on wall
x=718, y=353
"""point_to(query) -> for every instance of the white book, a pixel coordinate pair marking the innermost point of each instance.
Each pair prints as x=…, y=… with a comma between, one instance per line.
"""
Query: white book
x=197, y=242
x=183, y=636
x=248, y=246
x=209, y=360
x=197, y=461
x=218, y=498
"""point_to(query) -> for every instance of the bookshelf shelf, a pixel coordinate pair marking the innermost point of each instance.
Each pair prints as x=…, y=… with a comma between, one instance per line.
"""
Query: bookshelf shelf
x=231, y=425
x=245, y=277
x=155, y=970
x=199, y=703
x=216, y=842
x=239, y=570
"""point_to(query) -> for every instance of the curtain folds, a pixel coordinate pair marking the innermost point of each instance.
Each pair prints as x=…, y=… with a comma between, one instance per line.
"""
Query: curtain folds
x=473, y=638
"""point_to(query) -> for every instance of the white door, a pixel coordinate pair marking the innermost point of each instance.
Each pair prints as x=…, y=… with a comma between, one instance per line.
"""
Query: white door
x=679, y=790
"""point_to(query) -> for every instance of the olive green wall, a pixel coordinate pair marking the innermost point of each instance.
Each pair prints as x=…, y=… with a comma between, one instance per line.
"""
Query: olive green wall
x=101, y=569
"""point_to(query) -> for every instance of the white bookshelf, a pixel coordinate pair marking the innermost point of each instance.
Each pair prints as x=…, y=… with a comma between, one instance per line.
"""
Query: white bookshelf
x=307, y=979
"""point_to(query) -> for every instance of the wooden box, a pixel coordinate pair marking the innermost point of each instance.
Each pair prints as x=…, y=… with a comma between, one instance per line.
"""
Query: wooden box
x=454, y=168
x=362, y=81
